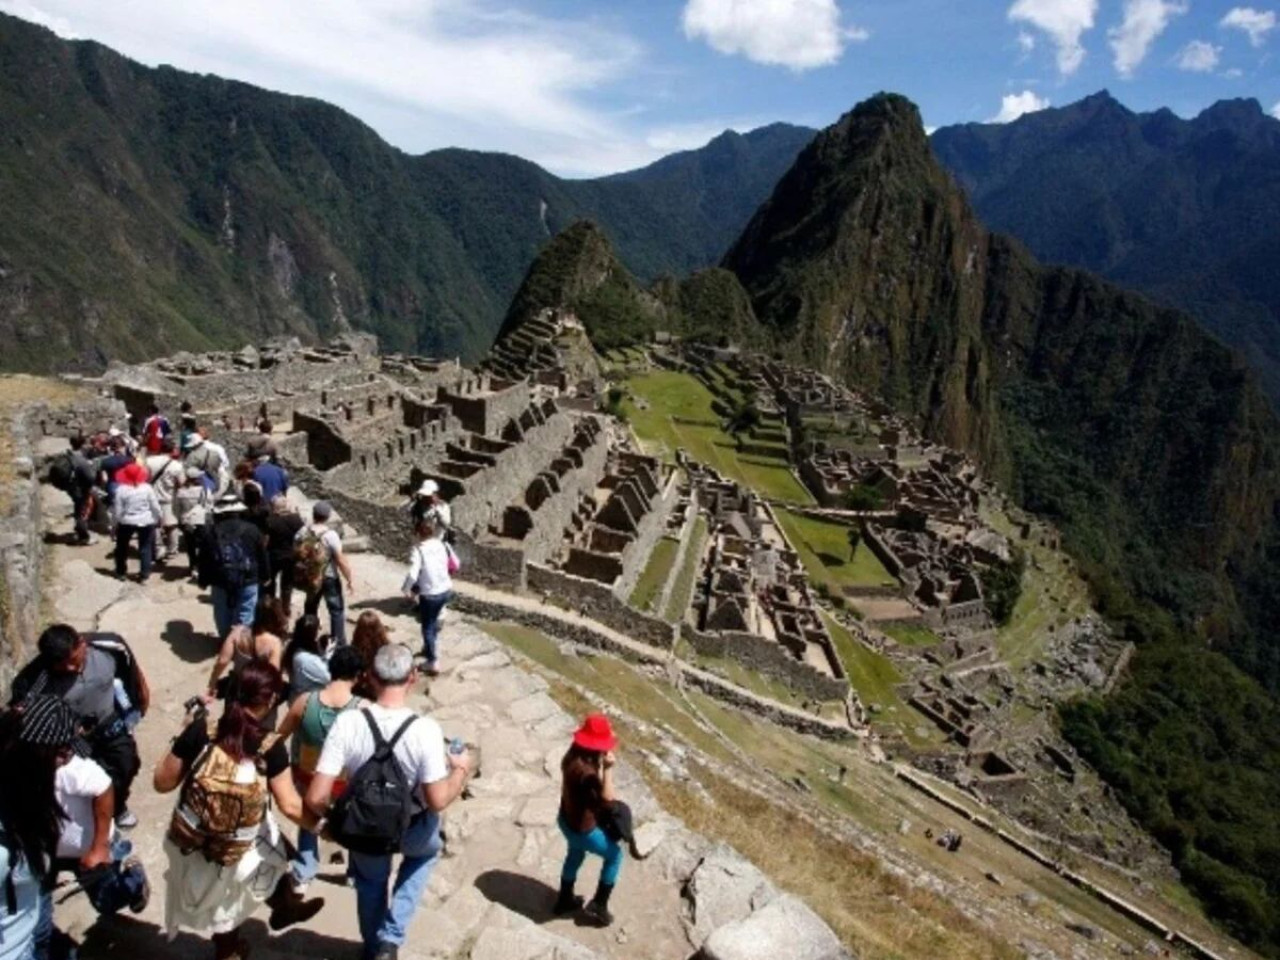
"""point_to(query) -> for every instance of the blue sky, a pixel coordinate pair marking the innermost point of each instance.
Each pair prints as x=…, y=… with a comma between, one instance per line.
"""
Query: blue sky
x=596, y=86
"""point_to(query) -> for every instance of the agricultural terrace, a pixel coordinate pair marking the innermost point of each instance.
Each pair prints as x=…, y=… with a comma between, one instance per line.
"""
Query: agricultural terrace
x=824, y=549
x=669, y=410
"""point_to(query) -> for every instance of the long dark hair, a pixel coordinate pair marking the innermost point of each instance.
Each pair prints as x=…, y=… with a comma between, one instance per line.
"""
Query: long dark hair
x=581, y=770
x=30, y=814
x=269, y=617
x=258, y=685
x=306, y=637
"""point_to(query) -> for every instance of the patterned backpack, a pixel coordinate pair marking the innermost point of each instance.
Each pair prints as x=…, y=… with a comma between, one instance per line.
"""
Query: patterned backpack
x=222, y=805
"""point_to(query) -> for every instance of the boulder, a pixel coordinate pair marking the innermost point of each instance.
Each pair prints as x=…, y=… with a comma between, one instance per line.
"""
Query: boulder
x=724, y=888
x=783, y=928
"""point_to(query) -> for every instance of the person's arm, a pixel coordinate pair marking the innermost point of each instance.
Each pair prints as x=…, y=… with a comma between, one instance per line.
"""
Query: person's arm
x=225, y=653
x=168, y=773
x=344, y=568
x=104, y=809
x=443, y=792
x=289, y=802
x=320, y=794
x=408, y=588
x=607, y=793
x=333, y=759
x=143, y=700
x=293, y=719
x=153, y=502
x=275, y=653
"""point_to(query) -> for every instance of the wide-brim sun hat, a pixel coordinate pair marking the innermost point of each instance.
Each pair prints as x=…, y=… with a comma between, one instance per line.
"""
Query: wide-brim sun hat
x=596, y=733
x=230, y=503
x=429, y=488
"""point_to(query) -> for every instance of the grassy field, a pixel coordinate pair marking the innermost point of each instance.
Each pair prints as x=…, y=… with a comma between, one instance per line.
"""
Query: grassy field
x=687, y=576
x=670, y=396
x=911, y=636
x=824, y=549
x=649, y=587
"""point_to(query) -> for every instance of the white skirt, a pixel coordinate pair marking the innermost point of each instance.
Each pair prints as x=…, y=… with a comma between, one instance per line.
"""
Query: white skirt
x=206, y=897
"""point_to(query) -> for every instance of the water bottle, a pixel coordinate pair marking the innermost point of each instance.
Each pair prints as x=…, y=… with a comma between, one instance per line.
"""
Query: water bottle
x=457, y=747
x=124, y=706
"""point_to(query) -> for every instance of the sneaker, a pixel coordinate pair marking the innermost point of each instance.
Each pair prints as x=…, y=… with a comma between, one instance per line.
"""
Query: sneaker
x=144, y=895
x=126, y=820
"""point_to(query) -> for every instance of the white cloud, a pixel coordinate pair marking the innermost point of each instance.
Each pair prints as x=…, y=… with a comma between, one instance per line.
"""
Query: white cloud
x=1199, y=57
x=1144, y=20
x=424, y=73
x=1234, y=73
x=799, y=34
x=1015, y=105
x=1064, y=21
x=1256, y=23
x=1026, y=42
x=1275, y=111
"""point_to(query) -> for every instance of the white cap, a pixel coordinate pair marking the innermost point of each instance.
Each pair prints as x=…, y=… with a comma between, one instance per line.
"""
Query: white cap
x=114, y=432
x=429, y=488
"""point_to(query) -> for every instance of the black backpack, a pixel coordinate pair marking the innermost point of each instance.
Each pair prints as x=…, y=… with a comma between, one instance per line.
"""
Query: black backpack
x=374, y=811
x=62, y=472
x=231, y=565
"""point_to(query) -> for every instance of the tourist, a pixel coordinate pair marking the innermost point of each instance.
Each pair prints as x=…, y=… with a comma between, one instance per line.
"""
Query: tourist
x=166, y=474
x=418, y=747
x=116, y=459
x=261, y=445
x=244, y=646
x=322, y=562
x=232, y=561
x=272, y=478
x=311, y=715
x=30, y=824
x=586, y=801
x=283, y=525
x=427, y=505
x=225, y=850
x=429, y=583
x=80, y=477
x=191, y=508
x=211, y=458
x=98, y=677
x=242, y=479
x=135, y=513
x=256, y=512
x=370, y=636
x=186, y=424
x=305, y=657
x=155, y=430
x=88, y=845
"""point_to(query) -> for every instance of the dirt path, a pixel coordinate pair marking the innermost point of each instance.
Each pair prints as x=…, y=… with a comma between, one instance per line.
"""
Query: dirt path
x=490, y=898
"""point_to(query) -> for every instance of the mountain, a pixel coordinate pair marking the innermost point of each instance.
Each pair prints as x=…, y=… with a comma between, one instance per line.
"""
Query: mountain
x=1141, y=435
x=1182, y=210
x=150, y=210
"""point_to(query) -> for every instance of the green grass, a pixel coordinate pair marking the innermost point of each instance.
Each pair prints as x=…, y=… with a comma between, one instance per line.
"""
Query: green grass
x=671, y=395
x=649, y=587
x=687, y=576
x=911, y=635
x=824, y=550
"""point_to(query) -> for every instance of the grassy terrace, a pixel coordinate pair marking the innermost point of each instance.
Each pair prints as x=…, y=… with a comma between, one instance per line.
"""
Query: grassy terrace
x=911, y=636
x=687, y=576
x=649, y=587
x=678, y=413
x=824, y=548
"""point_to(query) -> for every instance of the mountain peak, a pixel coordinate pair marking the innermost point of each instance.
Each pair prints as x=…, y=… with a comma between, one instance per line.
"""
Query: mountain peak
x=1235, y=112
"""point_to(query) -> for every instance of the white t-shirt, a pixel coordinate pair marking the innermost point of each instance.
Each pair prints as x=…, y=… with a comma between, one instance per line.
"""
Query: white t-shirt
x=420, y=751
x=429, y=568
x=77, y=783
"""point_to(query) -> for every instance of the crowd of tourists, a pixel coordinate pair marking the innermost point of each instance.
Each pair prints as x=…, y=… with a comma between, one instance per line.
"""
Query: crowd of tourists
x=294, y=723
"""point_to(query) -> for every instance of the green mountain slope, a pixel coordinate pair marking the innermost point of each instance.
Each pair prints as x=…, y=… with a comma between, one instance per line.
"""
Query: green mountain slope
x=1183, y=210
x=1141, y=435
x=153, y=210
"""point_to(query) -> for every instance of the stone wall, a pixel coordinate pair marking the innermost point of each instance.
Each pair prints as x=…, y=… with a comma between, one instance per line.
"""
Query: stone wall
x=597, y=601
x=768, y=657
x=21, y=551
x=635, y=556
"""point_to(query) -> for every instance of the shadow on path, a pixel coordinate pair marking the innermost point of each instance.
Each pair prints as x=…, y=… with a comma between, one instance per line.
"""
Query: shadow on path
x=122, y=936
x=520, y=894
x=187, y=643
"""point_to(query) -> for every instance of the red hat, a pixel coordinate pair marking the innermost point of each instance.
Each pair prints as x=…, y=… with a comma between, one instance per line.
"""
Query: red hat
x=595, y=734
x=133, y=475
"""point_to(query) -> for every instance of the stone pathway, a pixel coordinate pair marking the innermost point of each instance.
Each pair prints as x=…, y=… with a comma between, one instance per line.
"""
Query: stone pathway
x=490, y=898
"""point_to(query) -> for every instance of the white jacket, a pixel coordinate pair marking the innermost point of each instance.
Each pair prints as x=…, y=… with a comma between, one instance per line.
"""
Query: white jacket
x=428, y=574
x=136, y=506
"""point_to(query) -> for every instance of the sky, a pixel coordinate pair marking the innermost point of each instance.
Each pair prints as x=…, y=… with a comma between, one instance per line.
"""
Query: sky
x=597, y=86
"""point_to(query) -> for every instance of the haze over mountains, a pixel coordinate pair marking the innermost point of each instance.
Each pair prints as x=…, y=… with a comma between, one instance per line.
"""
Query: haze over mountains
x=150, y=210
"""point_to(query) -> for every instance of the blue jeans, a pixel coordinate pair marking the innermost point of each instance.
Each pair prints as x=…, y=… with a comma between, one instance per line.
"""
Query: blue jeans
x=331, y=592
x=594, y=841
x=146, y=537
x=111, y=888
x=429, y=610
x=306, y=864
x=234, y=607
x=388, y=922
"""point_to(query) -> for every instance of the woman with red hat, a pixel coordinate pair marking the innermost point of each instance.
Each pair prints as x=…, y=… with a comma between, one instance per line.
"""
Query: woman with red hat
x=135, y=511
x=586, y=803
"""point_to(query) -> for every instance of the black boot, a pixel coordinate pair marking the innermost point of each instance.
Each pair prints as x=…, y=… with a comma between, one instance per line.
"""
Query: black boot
x=288, y=907
x=598, y=909
x=566, y=902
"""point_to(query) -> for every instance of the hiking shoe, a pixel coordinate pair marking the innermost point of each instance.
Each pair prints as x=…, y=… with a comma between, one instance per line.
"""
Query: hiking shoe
x=293, y=910
x=126, y=820
x=387, y=951
x=598, y=914
x=144, y=895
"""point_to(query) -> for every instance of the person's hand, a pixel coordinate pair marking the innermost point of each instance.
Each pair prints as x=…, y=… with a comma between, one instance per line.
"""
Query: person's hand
x=459, y=761
x=96, y=857
x=609, y=760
